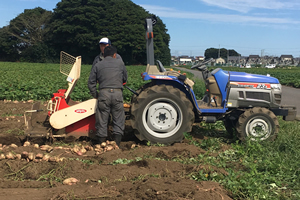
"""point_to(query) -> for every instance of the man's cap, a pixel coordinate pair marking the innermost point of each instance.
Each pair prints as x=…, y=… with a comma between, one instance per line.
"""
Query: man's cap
x=104, y=40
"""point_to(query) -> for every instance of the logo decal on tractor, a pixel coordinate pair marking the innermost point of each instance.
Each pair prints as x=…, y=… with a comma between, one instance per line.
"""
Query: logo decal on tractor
x=80, y=110
x=265, y=86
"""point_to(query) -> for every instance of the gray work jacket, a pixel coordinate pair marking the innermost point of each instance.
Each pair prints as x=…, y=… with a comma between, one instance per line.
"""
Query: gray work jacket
x=109, y=73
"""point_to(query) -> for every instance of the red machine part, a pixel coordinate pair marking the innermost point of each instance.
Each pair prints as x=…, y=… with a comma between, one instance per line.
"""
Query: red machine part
x=84, y=127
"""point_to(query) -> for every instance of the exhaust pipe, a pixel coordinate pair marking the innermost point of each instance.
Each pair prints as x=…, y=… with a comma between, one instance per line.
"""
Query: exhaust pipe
x=209, y=119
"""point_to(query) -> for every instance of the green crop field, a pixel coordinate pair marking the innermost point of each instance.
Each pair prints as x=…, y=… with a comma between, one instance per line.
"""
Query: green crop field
x=25, y=81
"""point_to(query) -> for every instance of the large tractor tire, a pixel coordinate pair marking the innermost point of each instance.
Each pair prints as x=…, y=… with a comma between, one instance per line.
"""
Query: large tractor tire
x=257, y=124
x=161, y=114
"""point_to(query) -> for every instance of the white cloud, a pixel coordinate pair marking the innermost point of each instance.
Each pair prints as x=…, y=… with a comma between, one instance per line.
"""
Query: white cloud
x=247, y=5
x=173, y=13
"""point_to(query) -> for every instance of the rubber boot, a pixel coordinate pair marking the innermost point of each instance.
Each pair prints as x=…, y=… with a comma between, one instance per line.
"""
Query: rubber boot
x=118, y=139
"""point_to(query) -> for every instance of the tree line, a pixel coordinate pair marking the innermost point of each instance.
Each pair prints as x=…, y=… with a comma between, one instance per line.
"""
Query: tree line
x=76, y=26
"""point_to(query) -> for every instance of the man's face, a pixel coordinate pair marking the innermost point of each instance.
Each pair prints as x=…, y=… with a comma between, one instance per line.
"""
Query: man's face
x=102, y=47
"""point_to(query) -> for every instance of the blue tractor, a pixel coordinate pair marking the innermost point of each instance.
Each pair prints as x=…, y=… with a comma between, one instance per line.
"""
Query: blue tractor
x=165, y=108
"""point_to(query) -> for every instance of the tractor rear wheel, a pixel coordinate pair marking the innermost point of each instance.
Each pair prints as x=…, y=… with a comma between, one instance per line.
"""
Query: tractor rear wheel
x=257, y=124
x=161, y=114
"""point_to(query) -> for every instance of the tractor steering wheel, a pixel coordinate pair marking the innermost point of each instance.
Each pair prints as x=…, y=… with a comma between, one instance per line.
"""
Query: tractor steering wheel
x=201, y=66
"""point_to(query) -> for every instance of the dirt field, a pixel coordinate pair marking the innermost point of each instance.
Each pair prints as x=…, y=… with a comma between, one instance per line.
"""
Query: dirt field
x=143, y=172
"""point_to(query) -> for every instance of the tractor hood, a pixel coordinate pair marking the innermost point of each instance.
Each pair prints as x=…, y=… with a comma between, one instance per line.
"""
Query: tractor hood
x=250, y=78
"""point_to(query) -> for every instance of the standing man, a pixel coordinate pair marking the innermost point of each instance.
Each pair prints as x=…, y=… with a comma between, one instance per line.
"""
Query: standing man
x=104, y=42
x=110, y=73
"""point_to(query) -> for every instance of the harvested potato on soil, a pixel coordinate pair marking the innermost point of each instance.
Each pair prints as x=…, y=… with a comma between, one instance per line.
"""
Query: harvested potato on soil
x=18, y=156
x=53, y=159
x=46, y=157
x=10, y=156
x=14, y=146
x=45, y=147
x=99, y=150
x=76, y=149
x=70, y=181
x=2, y=156
x=83, y=150
x=26, y=144
x=39, y=156
x=36, y=146
x=103, y=144
x=109, y=147
x=31, y=156
x=89, y=148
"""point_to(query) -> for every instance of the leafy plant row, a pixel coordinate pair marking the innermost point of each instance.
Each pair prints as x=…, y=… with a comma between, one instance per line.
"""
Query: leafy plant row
x=26, y=81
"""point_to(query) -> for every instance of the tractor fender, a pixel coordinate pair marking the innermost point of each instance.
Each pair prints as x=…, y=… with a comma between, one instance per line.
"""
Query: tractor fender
x=181, y=86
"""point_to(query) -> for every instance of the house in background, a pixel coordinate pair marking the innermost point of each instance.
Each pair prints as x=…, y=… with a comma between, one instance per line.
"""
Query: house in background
x=185, y=60
x=286, y=59
x=199, y=58
x=220, y=61
x=253, y=59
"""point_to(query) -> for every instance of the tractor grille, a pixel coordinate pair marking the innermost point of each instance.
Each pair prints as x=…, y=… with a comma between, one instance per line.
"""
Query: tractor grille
x=278, y=98
x=241, y=94
x=258, y=95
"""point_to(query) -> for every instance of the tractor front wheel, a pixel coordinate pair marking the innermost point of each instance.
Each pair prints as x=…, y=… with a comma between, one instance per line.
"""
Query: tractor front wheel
x=161, y=114
x=257, y=124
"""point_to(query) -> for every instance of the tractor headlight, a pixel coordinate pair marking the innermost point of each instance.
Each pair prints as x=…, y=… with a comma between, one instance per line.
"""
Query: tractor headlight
x=276, y=86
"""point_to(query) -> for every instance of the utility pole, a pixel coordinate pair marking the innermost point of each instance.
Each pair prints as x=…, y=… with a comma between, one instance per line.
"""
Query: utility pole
x=227, y=55
x=219, y=52
x=262, y=56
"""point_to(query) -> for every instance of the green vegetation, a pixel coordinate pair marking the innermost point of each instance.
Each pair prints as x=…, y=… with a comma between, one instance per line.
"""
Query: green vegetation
x=223, y=53
x=254, y=170
x=249, y=170
x=25, y=81
x=76, y=27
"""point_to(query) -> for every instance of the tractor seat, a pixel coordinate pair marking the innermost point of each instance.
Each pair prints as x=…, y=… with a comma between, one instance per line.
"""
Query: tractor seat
x=152, y=69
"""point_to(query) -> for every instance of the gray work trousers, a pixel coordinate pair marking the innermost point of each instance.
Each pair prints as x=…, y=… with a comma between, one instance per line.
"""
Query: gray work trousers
x=110, y=101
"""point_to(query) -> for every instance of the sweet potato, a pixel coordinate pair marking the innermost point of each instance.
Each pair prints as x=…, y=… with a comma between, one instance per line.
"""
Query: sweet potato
x=70, y=181
x=2, y=156
x=45, y=147
x=103, y=144
x=46, y=157
x=31, y=156
x=9, y=156
x=26, y=144
x=13, y=145
x=39, y=156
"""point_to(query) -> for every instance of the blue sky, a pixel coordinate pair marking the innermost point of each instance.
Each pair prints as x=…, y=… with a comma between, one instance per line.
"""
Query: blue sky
x=260, y=27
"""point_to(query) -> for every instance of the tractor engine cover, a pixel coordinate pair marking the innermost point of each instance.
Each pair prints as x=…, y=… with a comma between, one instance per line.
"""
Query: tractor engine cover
x=251, y=90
